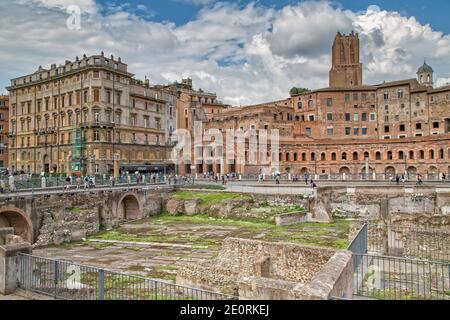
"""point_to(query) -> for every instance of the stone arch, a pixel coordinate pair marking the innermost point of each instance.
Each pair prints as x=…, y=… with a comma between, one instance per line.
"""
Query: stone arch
x=12, y=217
x=390, y=171
x=304, y=171
x=129, y=207
x=345, y=170
x=412, y=172
x=371, y=170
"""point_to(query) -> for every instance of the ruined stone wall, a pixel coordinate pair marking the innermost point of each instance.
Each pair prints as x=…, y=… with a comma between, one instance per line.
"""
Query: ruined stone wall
x=262, y=270
x=251, y=206
x=388, y=204
x=73, y=216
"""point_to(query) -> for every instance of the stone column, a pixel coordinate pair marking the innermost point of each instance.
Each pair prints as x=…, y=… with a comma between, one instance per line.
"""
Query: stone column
x=9, y=266
x=116, y=165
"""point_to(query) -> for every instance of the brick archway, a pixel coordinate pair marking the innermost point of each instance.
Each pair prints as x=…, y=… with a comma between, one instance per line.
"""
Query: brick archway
x=129, y=207
x=12, y=217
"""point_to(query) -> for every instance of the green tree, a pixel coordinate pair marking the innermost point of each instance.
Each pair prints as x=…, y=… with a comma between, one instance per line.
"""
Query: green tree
x=296, y=90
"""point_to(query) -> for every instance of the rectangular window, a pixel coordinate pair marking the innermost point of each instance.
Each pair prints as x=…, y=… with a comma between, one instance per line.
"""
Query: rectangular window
x=418, y=126
x=348, y=131
x=386, y=129
x=347, y=98
x=402, y=127
x=355, y=97
x=329, y=116
x=364, y=117
x=356, y=117
x=96, y=95
x=330, y=131
x=386, y=96
x=311, y=118
x=308, y=132
x=364, y=131
x=372, y=117
x=329, y=102
x=347, y=117
x=400, y=94
x=356, y=131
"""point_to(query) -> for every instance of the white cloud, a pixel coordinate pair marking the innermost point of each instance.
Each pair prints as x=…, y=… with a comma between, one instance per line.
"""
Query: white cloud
x=246, y=54
x=87, y=6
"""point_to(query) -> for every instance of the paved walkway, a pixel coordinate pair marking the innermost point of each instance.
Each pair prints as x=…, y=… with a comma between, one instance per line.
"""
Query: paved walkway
x=24, y=295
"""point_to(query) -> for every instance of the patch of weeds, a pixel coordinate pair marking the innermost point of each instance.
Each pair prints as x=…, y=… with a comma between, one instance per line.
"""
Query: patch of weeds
x=210, y=198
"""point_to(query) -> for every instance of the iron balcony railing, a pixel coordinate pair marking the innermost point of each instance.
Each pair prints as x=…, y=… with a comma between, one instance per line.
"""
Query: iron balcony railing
x=71, y=281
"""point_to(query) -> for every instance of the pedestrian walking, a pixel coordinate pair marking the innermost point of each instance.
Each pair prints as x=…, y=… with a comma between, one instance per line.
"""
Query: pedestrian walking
x=11, y=182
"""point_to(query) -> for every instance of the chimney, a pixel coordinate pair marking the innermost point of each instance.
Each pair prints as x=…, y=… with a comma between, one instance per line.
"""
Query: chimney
x=112, y=57
x=102, y=54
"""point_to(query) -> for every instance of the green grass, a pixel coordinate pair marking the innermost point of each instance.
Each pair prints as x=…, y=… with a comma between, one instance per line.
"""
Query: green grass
x=210, y=198
x=332, y=235
x=203, y=187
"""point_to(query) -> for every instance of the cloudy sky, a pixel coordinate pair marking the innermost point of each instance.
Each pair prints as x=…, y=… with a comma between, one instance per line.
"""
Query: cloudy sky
x=245, y=51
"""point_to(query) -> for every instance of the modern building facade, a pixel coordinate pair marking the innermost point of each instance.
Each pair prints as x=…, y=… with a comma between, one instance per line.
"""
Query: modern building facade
x=85, y=116
x=349, y=128
x=4, y=129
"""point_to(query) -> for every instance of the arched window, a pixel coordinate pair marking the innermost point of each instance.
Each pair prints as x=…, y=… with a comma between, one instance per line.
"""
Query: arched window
x=355, y=155
x=280, y=156
x=401, y=155
x=303, y=156
x=366, y=155
x=411, y=155
x=422, y=154
x=288, y=156
x=389, y=155
x=441, y=154
x=333, y=156
x=323, y=156
x=431, y=154
x=344, y=156
x=378, y=155
x=295, y=156
x=313, y=156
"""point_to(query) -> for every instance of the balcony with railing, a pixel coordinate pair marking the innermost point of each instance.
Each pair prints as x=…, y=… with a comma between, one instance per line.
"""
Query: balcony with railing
x=97, y=124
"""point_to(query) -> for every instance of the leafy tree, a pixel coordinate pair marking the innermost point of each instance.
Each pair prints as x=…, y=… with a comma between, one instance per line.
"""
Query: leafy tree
x=296, y=90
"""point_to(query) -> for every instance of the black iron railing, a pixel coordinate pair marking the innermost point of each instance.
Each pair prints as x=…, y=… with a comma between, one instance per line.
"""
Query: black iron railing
x=70, y=281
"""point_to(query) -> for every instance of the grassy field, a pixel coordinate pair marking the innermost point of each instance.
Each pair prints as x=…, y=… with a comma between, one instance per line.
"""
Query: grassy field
x=333, y=235
x=210, y=198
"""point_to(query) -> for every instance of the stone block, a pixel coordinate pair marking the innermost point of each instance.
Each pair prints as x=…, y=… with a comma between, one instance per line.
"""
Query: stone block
x=291, y=218
x=9, y=266
x=175, y=207
x=191, y=206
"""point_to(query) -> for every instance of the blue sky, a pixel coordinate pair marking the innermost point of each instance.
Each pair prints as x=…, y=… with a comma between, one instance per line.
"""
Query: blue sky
x=183, y=11
x=247, y=51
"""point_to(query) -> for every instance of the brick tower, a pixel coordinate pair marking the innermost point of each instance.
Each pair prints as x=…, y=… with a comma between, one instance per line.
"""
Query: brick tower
x=346, y=70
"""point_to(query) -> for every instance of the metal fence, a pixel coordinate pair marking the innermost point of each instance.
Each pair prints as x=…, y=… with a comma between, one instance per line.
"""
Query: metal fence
x=394, y=278
x=359, y=245
x=70, y=281
x=412, y=242
x=401, y=263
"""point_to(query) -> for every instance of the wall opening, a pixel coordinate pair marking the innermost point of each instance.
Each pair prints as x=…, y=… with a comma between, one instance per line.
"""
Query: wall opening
x=14, y=218
x=129, y=208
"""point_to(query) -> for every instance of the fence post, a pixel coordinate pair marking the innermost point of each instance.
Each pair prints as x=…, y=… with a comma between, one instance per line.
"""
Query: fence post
x=101, y=284
x=56, y=279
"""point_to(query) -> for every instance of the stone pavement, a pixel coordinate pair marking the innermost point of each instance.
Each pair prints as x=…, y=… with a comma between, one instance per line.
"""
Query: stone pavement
x=24, y=295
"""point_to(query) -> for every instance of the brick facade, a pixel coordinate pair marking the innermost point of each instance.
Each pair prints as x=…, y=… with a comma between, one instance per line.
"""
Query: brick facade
x=4, y=127
x=400, y=126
